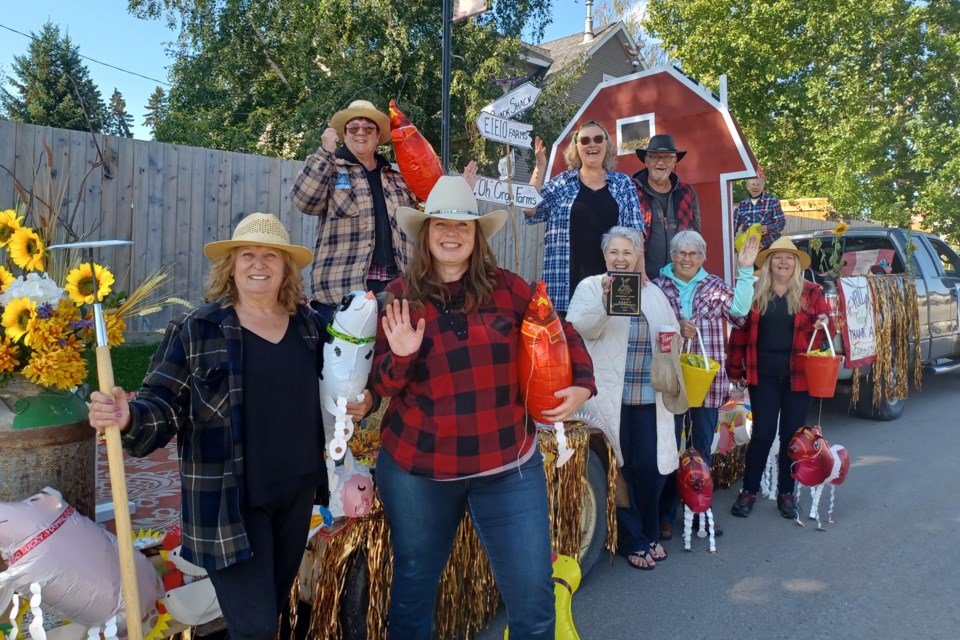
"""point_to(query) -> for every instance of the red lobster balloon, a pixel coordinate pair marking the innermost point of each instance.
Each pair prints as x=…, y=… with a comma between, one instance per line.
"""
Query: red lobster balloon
x=418, y=162
x=815, y=461
x=544, y=362
x=694, y=482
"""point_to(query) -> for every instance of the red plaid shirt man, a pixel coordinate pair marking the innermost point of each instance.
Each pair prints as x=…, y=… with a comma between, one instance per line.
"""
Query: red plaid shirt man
x=456, y=408
x=742, y=348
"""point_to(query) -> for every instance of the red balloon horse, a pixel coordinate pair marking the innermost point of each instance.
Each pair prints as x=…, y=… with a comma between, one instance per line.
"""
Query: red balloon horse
x=418, y=162
x=816, y=464
x=543, y=362
x=695, y=486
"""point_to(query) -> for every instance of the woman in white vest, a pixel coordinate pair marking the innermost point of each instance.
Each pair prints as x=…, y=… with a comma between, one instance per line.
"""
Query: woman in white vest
x=630, y=412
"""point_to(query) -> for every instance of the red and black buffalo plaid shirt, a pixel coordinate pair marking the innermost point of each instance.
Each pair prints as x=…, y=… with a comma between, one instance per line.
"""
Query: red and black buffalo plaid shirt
x=456, y=408
x=742, y=347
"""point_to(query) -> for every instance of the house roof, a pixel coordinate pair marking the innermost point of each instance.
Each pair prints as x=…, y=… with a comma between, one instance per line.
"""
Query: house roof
x=567, y=50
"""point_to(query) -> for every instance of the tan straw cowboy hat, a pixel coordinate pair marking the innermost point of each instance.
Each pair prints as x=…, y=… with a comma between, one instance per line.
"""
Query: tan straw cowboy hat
x=361, y=109
x=784, y=245
x=260, y=230
x=450, y=199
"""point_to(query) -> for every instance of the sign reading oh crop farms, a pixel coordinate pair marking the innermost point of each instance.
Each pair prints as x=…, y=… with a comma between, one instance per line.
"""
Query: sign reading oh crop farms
x=498, y=191
x=506, y=131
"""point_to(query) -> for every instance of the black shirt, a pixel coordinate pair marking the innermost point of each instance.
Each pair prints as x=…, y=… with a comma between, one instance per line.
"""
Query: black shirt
x=282, y=433
x=663, y=226
x=591, y=216
x=775, y=339
x=382, y=232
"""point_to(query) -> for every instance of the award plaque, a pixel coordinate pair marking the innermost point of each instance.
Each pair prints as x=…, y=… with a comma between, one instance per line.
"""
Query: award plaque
x=624, y=296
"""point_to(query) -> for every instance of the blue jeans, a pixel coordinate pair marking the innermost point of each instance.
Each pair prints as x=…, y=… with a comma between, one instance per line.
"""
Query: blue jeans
x=772, y=400
x=703, y=425
x=639, y=524
x=509, y=511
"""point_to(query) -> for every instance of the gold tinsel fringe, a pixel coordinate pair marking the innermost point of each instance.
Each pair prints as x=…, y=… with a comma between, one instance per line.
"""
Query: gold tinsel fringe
x=380, y=577
x=612, y=472
x=294, y=604
x=566, y=498
x=896, y=324
x=727, y=468
x=855, y=387
x=467, y=596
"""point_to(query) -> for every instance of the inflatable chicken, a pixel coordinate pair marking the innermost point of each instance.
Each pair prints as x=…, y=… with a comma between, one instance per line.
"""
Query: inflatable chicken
x=419, y=164
x=544, y=363
x=566, y=581
x=815, y=464
x=742, y=237
x=695, y=486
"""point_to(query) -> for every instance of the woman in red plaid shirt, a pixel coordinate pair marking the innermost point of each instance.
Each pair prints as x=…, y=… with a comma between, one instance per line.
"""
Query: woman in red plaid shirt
x=764, y=352
x=455, y=434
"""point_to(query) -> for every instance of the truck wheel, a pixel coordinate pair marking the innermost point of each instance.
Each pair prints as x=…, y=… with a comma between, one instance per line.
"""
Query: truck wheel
x=593, y=517
x=888, y=409
x=355, y=599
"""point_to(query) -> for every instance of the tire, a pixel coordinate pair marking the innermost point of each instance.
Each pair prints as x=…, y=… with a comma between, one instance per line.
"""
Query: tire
x=887, y=411
x=355, y=599
x=593, y=517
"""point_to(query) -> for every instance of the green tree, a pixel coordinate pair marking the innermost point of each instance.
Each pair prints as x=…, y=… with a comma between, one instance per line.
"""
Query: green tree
x=118, y=120
x=51, y=86
x=157, y=108
x=266, y=75
x=854, y=100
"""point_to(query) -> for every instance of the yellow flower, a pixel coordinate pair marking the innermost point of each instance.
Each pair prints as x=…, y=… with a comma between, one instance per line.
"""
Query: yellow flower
x=6, y=279
x=17, y=316
x=9, y=222
x=46, y=333
x=115, y=328
x=62, y=367
x=840, y=229
x=9, y=353
x=80, y=283
x=26, y=249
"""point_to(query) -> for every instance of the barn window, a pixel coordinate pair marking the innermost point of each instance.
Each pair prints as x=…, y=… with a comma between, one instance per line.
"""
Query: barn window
x=634, y=132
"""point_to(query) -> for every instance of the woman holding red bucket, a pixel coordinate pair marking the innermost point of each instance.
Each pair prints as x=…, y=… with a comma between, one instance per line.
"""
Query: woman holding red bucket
x=767, y=353
x=703, y=302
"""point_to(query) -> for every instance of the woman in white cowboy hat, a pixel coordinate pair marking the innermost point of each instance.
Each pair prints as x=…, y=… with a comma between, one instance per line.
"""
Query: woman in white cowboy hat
x=236, y=382
x=455, y=433
x=764, y=353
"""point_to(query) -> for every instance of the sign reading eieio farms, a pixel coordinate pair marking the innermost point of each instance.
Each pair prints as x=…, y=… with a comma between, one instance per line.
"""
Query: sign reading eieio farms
x=505, y=131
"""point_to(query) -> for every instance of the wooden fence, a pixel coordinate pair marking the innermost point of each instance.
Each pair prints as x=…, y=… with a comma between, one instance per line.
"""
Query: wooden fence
x=170, y=200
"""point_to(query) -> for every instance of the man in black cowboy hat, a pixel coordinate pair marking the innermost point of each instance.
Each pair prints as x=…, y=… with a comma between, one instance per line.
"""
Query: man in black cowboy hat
x=668, y=204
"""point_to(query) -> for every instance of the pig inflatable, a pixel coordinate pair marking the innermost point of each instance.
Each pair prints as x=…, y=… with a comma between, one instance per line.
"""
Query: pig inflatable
x=75, y=562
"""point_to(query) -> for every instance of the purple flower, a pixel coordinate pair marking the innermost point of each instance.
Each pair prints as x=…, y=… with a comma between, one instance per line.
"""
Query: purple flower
x=44, y=311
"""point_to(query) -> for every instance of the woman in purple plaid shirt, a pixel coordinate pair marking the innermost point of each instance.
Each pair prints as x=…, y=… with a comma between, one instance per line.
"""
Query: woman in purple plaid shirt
x=703, y=301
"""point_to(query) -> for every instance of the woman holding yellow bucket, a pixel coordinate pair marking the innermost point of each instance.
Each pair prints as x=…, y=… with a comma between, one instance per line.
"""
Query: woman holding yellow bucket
x=765, y=352
x=703, y=302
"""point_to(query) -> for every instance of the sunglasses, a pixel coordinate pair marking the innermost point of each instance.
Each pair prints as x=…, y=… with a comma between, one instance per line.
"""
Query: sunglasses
x=597, y=139
x=353, y=129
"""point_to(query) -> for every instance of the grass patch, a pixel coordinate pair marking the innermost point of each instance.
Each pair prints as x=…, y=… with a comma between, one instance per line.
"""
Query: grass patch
x=130, y=363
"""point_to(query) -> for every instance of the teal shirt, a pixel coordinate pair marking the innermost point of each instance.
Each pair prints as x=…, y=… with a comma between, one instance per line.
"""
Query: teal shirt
x=742, y=293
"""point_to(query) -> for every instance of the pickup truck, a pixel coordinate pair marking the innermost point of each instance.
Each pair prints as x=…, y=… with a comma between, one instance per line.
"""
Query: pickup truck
x=936, y=268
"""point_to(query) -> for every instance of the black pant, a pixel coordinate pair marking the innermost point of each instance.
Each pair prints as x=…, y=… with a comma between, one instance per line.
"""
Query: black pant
x=772, y=400
x=253, y=593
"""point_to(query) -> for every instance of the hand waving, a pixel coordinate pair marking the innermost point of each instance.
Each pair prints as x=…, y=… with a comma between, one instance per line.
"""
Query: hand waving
x=748, y=252
x=404, y=340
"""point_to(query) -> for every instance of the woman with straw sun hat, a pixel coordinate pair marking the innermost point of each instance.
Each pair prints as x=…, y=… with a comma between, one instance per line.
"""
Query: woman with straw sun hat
x=236, y=382
x=455, y=433
x=764, y=353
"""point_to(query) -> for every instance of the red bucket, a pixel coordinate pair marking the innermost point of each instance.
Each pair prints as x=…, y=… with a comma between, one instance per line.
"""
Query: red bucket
x=821, y=370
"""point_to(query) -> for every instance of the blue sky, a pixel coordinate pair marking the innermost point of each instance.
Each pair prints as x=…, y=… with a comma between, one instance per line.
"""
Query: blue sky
x=105, y=31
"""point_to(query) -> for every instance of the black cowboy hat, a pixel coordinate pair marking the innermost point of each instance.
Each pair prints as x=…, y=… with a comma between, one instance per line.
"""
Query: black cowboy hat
x=662, y=143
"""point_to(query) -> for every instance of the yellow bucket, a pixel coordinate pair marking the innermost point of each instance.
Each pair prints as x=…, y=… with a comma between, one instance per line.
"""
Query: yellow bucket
x=696, y=378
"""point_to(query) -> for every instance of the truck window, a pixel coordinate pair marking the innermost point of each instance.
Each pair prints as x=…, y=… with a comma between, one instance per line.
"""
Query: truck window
x=870, y=254
x=948, y=259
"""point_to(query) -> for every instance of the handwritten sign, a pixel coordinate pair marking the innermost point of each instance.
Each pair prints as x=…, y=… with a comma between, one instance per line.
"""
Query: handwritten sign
x=518, y=100
x=498, y=191
x=502, y=130
x=858, y=330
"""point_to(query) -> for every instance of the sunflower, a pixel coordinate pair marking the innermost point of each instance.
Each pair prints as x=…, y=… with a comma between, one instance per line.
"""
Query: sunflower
x=26, y=249
x=9, y=222
x=17, y=316
x=840, y=229
x=9, y=353
x=6, y=279
x=63, y=367
x=80, y=283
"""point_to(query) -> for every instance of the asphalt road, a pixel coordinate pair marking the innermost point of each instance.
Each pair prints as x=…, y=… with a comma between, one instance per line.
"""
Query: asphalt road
x=887, y=568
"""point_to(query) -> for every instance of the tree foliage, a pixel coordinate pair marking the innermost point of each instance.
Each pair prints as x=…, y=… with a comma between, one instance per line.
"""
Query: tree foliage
x=157, y=108
x=855, y=100
x=118, y=120
x=51, y=86
x=265, y=76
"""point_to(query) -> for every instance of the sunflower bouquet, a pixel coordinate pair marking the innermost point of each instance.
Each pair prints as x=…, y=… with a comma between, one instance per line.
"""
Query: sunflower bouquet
x=46, y=327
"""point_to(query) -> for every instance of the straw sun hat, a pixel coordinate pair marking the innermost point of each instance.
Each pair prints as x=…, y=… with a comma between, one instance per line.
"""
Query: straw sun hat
x=450, y=199
x=784, y=245
x=361, y=109
x=261, y=230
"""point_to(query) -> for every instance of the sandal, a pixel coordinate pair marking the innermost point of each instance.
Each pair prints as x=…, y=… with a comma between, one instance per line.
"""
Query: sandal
x=641, y=560
x=657, y=552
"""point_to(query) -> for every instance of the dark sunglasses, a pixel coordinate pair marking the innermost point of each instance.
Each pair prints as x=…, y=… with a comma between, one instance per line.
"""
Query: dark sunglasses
x=597, y=139
x=367, y=128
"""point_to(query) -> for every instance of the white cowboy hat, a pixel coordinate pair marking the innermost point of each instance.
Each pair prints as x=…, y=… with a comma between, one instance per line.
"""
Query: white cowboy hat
x=361, y=109
x=450, y=199
x=260, y=230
